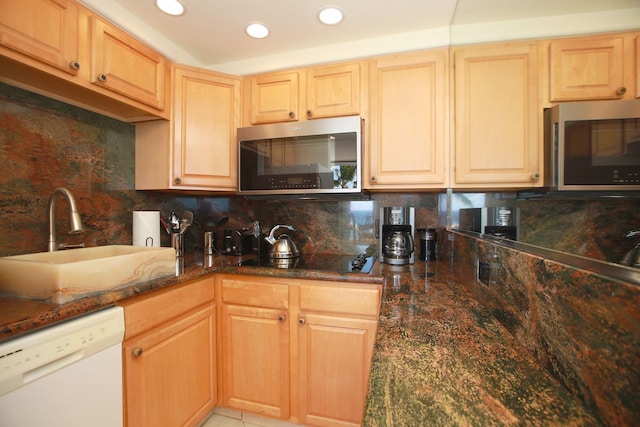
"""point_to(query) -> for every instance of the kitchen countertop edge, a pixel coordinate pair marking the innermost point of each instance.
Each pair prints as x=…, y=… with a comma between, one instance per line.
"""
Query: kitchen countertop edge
x=22, y=315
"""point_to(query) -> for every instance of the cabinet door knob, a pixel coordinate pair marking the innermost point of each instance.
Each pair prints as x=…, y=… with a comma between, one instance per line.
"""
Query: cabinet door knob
x=177, y=180
x=373, y=178
x=309, y=113
x=74, y=65
x=292, y=115
x=102, y=77
x=301, y=321
x=535, y=176
x=281, y=318
x=621, y=91
x=136, y=352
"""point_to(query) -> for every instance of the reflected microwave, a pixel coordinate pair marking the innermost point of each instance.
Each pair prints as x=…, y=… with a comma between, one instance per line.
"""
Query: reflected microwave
x=308, y=157
x=593, y=145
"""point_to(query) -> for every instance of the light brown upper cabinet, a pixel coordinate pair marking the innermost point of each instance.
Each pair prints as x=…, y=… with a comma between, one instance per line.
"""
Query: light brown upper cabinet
x=126, y=66
x=197, y=150
x=274, y=97
x=313, y=93
x=46, y=30
x=409, y=131
x=333, y=91
x=498, y=117
x=594, y=67
x=60, y=49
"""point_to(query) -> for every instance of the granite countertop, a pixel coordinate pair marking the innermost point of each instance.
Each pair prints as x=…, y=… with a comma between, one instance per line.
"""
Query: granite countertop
x=440, y=358
x=21, y=315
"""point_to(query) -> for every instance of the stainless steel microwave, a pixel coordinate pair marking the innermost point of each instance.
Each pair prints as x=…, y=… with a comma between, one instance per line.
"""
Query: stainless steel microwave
x=593, y=145
x=308, y=157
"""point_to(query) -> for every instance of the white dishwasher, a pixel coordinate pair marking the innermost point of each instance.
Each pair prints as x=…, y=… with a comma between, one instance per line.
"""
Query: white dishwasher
x=66, y=375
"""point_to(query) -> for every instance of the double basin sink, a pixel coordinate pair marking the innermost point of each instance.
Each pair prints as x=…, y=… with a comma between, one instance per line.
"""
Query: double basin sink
x=62, y=276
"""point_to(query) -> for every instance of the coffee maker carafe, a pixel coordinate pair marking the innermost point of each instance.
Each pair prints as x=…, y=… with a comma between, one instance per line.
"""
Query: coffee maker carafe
x=396, y=235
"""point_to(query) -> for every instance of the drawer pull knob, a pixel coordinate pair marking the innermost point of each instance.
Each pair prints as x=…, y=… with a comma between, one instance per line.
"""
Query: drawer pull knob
x=136, y=352
x=621, y=91
x=292, y=115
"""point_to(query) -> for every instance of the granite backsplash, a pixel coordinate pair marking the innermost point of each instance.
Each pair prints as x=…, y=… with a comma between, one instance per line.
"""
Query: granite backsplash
x=583, y=328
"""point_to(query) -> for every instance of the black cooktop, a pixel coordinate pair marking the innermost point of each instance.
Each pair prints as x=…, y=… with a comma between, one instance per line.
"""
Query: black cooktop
x=323, y=262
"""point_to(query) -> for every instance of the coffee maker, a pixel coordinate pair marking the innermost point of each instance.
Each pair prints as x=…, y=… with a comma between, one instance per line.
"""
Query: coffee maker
x=396, y=235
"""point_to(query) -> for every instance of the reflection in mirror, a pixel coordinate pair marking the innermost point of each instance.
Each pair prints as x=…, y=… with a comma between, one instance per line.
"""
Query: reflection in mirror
x=594, y=227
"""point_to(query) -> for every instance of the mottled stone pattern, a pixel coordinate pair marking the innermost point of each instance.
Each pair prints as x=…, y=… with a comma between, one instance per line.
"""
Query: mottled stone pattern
x=442, y=359
x=583, y=328
x=591, y=228
x=45, y=144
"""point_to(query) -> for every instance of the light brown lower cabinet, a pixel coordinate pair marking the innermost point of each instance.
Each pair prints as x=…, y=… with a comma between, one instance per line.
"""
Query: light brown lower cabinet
x=169, y=356
x=255, y=349
x=298, y=350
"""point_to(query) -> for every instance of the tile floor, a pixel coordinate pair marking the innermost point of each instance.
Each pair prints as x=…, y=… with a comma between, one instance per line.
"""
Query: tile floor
x=224, y=417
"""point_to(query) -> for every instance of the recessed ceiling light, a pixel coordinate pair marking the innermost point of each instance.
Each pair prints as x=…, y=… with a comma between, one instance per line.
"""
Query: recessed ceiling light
x=330, y=15
x=257, y=30
x=170, y=7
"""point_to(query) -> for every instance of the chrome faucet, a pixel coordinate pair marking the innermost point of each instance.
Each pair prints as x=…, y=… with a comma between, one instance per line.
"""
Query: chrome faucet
x=75, y=222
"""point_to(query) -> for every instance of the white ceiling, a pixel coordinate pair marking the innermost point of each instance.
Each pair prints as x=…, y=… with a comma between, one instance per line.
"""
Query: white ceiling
x=211, y=33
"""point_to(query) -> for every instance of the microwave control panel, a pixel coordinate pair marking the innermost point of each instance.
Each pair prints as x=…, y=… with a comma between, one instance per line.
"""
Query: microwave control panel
x=299, y=181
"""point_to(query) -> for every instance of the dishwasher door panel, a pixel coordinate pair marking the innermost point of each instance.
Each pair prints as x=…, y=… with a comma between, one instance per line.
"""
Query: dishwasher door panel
x=86, y=393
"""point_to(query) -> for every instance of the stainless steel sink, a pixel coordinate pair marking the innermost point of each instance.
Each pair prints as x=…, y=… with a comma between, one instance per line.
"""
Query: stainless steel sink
x=62, y=276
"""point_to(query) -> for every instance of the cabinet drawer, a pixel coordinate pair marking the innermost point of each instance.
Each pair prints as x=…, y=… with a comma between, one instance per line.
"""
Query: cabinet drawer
x=256, y=292
x=341, y=298
x=148, y=311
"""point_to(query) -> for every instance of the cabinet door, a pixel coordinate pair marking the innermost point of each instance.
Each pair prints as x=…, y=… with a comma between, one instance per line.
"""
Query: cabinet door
x=124, y=65
x=498, y=140
x=335, y=360
x=206, y=114
x=170, y=375
x=587, y=68
x=408, y=127
x=46, y=30
x=255, y=360
x=333, y=91
x=274, y=97
x=636, y=72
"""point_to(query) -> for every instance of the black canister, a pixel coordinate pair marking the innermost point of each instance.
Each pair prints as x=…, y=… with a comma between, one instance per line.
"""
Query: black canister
x=428, y=243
